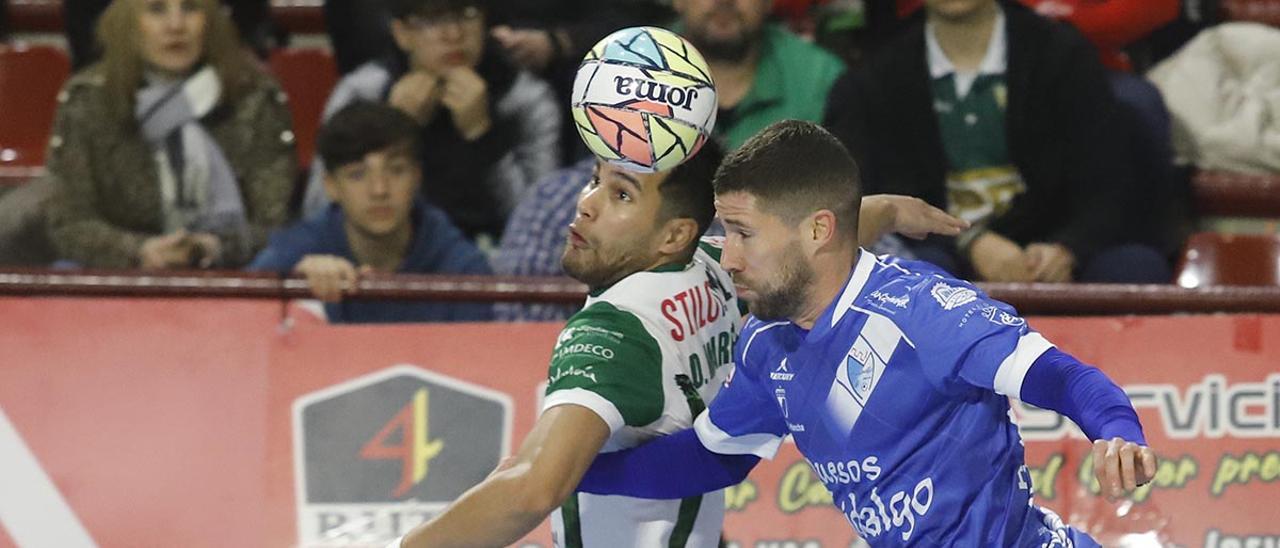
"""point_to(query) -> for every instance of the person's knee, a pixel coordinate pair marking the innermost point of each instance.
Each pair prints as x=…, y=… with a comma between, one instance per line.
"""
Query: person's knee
x=1139, y=96
x=1128, y=263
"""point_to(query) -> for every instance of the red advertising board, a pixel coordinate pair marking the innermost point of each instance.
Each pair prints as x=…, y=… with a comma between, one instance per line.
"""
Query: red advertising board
x=190, y=422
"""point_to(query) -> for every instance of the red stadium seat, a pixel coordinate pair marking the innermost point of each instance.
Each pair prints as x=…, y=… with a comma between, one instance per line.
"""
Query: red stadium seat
x=307, y=75
x=30, y=78
x=1230, y=259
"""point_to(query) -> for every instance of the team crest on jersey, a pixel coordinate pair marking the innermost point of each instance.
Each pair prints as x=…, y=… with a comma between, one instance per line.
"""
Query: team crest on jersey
x=861, y=370
x=859, y=376
x=951, y=298
x=1000, y=317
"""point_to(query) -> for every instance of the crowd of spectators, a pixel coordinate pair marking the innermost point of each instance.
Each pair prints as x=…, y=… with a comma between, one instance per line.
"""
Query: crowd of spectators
x=447, y=146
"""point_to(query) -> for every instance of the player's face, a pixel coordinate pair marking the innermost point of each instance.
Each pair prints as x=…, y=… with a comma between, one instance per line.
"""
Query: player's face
x=616, y=232
x=763, y=254
x=376, y=193
x=723, y=29
x=957, y=9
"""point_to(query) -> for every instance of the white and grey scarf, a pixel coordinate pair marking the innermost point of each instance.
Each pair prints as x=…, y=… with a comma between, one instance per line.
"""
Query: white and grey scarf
x=198, y=186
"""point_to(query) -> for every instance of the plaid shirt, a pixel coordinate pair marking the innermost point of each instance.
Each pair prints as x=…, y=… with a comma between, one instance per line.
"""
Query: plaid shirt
x=534, y=239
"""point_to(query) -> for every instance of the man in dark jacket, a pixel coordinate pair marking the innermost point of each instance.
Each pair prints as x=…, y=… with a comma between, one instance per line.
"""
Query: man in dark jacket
x=1005, y=119
x=376, y=223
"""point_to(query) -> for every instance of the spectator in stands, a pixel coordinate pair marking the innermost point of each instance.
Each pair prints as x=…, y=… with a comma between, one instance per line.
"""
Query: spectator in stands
x=550, y=37
x=545, y=37
x=1006, y=119
x=377, y=222
x=1112, y=25
x=252, y=20
x=174, y=151
x=763, y=73
x=488, y=129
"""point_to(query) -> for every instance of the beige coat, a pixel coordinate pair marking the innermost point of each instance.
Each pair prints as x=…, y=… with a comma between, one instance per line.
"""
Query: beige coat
x=1223, y=91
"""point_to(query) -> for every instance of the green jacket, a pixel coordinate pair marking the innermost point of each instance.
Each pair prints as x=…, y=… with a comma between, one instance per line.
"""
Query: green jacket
x=106, y=199
x=792, y=81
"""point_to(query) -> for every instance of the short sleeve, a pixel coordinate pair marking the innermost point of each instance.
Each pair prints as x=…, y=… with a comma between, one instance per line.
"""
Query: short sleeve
x=743, y=419
x=965, y=338
x=605, y=360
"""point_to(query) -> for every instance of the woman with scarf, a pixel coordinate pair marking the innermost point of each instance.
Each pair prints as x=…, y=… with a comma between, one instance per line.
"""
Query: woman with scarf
x=174, y=151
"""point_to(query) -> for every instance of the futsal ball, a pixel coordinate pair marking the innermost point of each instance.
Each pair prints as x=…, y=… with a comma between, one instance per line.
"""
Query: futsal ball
x=643, y=99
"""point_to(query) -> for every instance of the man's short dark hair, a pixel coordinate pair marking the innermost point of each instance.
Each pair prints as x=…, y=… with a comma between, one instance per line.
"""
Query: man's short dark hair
x=795, y=168
x=404, y=9
x=361, y=128
x=687, y=192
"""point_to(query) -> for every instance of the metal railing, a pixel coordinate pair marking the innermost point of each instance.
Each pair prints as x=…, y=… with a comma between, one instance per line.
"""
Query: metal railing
x=1038, y=299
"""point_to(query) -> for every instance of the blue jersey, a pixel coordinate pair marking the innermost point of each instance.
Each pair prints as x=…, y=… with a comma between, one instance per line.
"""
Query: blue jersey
x=898, y=399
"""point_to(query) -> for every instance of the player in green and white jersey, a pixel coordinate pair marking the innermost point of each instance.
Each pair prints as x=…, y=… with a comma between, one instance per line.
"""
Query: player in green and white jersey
x=648, y=350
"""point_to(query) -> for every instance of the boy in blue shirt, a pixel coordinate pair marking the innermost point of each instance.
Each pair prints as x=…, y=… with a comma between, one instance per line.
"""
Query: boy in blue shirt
x=376, y=223
x=892, y=378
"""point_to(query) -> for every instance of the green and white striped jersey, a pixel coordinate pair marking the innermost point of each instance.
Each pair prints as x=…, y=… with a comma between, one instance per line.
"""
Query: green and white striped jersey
x=645, y=355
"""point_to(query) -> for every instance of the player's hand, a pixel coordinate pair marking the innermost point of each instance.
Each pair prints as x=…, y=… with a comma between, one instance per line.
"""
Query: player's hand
x=530, y=48
x=329, y=277
x=466, y=95
x=1050, y=263
x=999, y=259
x=915, y=218
x=1122, y=466
x=417, y=94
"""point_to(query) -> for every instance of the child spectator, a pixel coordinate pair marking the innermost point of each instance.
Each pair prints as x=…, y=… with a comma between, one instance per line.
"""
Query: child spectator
x=376, y=223
x=488, y=130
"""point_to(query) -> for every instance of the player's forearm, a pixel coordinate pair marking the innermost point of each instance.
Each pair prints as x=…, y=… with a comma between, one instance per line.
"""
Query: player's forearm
x=1084, y=394
x=670, y=467
x=875, y=216
x=497, y=512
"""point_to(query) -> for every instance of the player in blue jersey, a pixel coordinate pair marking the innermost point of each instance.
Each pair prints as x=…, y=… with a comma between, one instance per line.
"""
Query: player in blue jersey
x=630, y=365
x=892, y=378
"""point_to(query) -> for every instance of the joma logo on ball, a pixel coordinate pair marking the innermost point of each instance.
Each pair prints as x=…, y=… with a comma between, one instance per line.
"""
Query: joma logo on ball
x=654, y=91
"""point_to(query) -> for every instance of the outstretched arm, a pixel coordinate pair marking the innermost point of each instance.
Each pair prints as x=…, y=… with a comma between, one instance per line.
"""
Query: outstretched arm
x=881, y=214
x=1121, y=459
x=514, y=500
x=670, y=467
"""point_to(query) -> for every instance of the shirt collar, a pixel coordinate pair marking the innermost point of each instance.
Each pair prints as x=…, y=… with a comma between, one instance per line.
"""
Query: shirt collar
x=857, y=281
x=994, y=62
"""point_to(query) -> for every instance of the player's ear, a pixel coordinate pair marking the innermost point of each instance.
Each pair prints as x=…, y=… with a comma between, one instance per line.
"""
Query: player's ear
x=678, y=234
x=819, y=229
